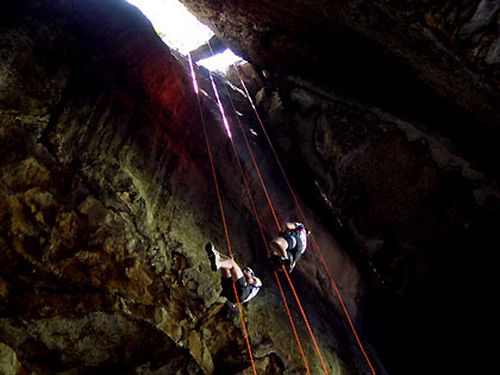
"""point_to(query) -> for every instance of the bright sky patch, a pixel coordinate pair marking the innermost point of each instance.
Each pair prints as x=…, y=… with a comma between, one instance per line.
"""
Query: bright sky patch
x=180, y=30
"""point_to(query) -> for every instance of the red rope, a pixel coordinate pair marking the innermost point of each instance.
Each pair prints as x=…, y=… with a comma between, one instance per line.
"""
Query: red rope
x=291, y=322
x=256, y=167
x=259, y=224
x=273, y=211
x=277, y=223
x=304, y=219
x=274, y=215
x=221, y=207
x=305, y=319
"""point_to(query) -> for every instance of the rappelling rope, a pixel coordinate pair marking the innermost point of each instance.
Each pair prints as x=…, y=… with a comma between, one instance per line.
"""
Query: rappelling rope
x=257, y=168
x=259, y=223
x=304, y=219
x=291, y=321
x=272, y=209
x=305, y=319
x=221, y=207
x=264, y=240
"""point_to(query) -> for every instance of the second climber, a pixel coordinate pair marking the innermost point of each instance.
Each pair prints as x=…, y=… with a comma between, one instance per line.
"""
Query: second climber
x=289, y=245
x=246, y=283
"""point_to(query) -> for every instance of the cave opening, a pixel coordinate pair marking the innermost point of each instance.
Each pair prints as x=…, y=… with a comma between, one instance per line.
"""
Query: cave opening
x=181, y=31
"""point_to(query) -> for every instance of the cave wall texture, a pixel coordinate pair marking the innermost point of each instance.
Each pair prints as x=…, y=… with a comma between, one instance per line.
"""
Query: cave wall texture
x=390, y=108
x=384, y=113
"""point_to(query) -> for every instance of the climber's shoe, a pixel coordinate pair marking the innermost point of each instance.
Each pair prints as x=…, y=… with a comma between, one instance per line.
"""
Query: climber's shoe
x=277, y=262
x=287, y=263
x=212, y=255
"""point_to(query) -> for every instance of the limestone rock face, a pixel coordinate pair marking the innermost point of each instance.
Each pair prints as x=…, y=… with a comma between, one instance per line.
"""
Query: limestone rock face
x=387, y=112
x=418, y=219
x=385, y=116
x=451, y=47
x=106, y=202
x=9, y=365
x=82, y=244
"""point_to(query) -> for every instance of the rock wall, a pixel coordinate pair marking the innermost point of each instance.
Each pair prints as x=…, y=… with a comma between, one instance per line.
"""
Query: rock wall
x=106, y=201
x=383, y=113
x=387, y=112
x=449, y=46
x=418, y=219
x=85, y=168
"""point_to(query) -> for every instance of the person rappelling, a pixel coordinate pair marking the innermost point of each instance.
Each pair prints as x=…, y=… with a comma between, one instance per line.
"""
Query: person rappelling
x=246, y=283
x=289, y=246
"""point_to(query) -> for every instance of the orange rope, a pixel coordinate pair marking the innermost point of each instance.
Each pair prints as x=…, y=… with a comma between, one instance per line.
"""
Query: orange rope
x=304, y=219
x=254, y=161
x=270, y=205
x=221, y=207
x=291, y=321
x=277, y=223
x=256, y=166
x=259, y=223
x=305, y=319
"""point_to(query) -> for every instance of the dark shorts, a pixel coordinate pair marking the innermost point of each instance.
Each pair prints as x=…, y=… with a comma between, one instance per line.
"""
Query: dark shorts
x=294, y=255
x=242, y=289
